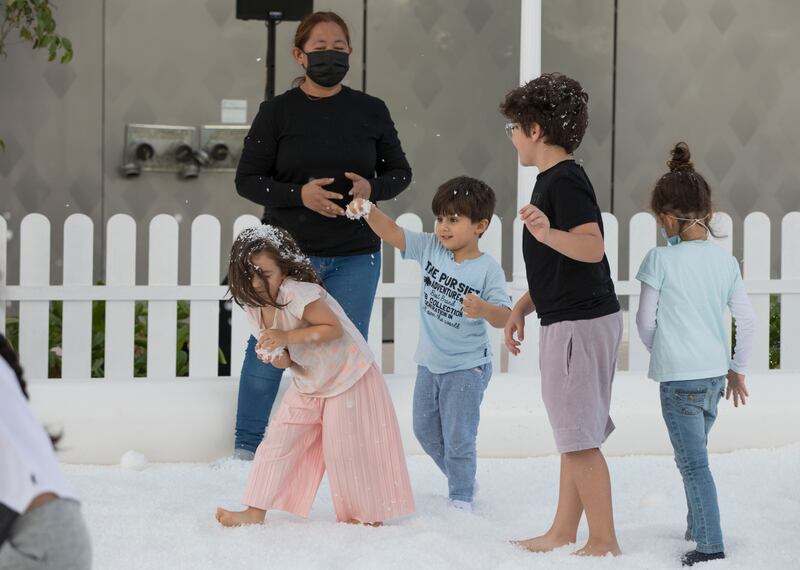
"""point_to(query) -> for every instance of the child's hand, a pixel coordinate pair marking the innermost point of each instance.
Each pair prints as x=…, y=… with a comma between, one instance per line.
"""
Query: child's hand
x=736, y=387
x=358, y=208
x=272, y=339
x=536, y=221
x=515, y=324
x=283, y=360
x=474, y=306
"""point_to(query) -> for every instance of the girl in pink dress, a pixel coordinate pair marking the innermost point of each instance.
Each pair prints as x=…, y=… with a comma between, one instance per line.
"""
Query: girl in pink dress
x=337, y=413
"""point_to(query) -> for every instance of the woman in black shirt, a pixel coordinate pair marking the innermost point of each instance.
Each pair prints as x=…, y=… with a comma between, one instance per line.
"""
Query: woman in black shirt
x=309, y=152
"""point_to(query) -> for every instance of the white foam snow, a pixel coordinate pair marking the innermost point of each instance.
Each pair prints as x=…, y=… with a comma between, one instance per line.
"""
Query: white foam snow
x=163, y=517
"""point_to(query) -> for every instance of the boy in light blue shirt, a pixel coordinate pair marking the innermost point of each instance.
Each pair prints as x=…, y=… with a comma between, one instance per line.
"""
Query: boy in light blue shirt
x=462, y=290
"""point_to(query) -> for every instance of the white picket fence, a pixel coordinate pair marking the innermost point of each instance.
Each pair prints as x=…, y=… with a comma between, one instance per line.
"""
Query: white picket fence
x=35, y=292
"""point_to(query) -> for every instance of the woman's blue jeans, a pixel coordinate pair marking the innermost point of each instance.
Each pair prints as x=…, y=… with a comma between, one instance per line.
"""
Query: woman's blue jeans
x=352, y=280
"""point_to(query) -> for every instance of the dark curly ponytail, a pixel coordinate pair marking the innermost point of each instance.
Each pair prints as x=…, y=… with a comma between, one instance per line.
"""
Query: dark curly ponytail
x=682, y=192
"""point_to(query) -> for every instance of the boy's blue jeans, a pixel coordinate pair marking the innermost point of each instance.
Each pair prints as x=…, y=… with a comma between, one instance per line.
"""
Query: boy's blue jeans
x=351, y=280
x=689, y=408
x=447, y=409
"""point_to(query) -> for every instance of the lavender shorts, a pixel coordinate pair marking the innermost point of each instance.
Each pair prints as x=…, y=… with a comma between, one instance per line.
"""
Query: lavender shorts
x=577, y=360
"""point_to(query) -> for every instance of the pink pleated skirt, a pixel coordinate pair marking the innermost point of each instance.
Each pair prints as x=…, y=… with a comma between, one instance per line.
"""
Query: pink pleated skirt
x=353, y=435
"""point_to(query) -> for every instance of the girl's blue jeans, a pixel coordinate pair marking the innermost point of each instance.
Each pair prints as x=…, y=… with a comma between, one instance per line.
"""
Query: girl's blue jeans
x=689, y=408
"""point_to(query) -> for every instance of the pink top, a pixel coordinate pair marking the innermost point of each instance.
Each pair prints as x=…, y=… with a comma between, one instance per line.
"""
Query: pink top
x=321, y=370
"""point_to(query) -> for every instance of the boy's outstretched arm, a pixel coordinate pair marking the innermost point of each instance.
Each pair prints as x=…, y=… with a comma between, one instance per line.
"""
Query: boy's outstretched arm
x=383, y=226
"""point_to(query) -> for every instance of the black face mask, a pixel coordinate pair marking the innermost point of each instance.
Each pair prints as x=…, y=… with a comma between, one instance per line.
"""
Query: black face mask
x=327, y=68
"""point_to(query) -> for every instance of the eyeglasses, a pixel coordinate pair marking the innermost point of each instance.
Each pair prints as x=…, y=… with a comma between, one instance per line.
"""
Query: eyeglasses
x=510, y=129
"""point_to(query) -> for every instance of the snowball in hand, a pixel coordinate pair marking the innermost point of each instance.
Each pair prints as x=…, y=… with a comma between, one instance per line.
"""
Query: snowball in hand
x=358, y=208
x=133, y=460
x=270, y=355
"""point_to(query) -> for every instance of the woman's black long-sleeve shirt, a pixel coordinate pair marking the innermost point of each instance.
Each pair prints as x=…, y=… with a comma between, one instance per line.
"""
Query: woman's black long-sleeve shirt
x=295, y=139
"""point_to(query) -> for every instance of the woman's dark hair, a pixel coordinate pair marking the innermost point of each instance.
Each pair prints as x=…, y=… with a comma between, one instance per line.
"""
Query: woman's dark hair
x=465, y=196
x=279, y=245
x=303, y=33
x=555, y=102
x=8, y=354
x=682, y=192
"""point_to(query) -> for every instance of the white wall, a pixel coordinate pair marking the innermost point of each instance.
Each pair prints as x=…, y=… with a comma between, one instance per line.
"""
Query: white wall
x=192, y=420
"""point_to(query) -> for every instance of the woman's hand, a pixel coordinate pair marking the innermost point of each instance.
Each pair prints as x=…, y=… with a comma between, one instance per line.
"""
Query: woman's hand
x=736, y=387
x=316, y=198
x=361, y=186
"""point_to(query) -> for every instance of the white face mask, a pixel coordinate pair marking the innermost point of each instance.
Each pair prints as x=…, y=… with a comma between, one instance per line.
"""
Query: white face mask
x=676, y=239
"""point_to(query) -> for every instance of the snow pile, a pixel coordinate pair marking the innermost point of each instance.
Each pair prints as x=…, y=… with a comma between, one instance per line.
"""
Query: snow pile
x=133, y=461
x=163, y=517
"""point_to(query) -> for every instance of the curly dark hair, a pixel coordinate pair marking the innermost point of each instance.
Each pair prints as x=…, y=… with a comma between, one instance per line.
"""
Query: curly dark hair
x=682, y=192
x=555, y=102
x=465, y=196
x=281, y=247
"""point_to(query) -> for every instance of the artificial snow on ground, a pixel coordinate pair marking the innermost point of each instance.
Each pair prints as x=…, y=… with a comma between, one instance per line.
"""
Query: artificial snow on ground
x=163, y=518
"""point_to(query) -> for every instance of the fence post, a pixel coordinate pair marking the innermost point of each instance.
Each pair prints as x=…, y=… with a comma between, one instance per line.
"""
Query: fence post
x=120, y=315
x=162, y=315
x=527, y=361
x=375, y=335
x=756, y=267
x=406, y=311
x=642, y=239
x=723, y=224
x=3, y=270
x=204, y=315
x=240, y=329
x=790, y=302
x=34, y=316
x=611, y=240
x=492, y=244
x=76, y=332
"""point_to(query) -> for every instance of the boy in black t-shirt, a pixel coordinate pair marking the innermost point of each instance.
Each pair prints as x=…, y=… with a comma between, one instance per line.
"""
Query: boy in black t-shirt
x=570, y=287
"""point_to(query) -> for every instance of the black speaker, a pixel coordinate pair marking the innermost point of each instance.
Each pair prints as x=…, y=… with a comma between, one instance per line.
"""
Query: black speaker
x=277, y=10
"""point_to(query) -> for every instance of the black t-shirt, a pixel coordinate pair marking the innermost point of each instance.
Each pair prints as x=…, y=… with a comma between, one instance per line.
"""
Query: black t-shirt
x=562, y=288
x=295, y=139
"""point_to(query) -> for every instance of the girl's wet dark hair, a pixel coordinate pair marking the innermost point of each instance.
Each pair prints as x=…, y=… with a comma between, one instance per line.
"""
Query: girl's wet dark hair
x=555, y=102
x=682, y=192
x=280, y=246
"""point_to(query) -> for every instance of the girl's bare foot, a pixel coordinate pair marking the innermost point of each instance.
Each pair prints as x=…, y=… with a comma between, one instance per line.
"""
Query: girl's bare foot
x=544, y=543
x=239, y=518
x=599, y=549
x=373, y=524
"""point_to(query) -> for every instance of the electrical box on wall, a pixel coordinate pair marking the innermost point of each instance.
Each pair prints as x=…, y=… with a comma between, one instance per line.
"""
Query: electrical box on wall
x=222, y=146
x=160, y=148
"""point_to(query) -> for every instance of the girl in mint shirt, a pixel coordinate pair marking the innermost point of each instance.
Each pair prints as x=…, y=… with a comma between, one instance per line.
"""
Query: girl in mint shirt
x=685, y=289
